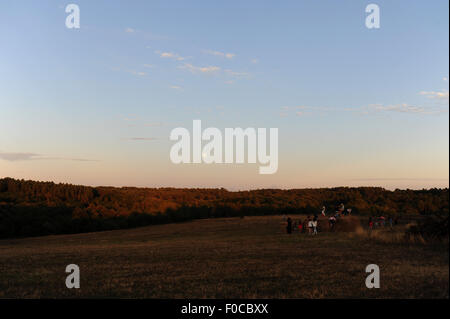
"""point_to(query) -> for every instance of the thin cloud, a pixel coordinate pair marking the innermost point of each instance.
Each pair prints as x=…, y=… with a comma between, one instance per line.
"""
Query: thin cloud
x=303, y=110
x=402, y=108
x=138, y=73
x=145, y=35
x=197, y=69
x=13, y=157
x=170, y=55
x=236, y=74
x=220, y=54
x=129, y=71
x=398, y=108
x=440, y=95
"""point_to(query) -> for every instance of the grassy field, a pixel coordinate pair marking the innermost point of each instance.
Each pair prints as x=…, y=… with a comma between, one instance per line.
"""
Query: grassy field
x=251, y=257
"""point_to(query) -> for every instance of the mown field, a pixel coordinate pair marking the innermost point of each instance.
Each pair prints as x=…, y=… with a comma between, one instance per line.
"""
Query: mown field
x=251, y=257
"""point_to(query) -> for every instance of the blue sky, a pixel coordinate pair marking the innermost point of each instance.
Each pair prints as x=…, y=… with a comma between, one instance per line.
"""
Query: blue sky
x=354, y=106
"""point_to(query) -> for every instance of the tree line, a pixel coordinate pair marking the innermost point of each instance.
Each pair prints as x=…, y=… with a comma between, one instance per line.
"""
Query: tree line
x=31, y=208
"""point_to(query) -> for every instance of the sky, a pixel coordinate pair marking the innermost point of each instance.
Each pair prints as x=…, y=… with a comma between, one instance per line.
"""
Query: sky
x=353, y=106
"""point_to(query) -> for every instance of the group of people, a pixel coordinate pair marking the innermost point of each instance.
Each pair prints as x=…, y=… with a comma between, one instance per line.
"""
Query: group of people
x=310, y=225
x=380, y=221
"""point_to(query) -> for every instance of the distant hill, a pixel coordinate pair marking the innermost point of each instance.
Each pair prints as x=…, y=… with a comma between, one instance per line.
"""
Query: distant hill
x=30, y=208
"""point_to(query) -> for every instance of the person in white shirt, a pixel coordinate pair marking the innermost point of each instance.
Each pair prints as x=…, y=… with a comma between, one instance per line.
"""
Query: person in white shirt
x=310, y=227
x=314, y=225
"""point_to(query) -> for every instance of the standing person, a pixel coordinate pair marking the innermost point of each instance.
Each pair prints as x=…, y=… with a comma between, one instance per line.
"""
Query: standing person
x=309, y=221
x=390, y=221
x=341, y=208
x=300, y=226
x=289, y=225
x=370, y=223
x=314, y=225
x=310, y=227
x=305, y=225
x=323, y=211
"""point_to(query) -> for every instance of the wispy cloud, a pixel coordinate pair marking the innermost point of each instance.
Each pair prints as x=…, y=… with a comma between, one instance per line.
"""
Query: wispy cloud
x=440, y=95
x=19, y=156
x=398, y=108
x=402, y=108
x=176, y=87
x=197, y=69
x=236, y=74
x=220, y=54
x=14, y=157
x=129, y=71
x=170, y=55
x=212, y=69
x=303, y=110
x=129, y=30
x=138, y=73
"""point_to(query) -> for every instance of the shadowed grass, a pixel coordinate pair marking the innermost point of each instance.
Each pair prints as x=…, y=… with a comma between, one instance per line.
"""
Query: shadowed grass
x=221, y=258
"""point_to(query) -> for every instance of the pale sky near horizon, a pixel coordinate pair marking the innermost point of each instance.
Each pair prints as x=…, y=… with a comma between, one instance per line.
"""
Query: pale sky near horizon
x=353, y=106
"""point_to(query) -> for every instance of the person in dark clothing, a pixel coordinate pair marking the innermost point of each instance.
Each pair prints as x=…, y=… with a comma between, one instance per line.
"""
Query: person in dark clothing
x=305, y=225
x=289, y=225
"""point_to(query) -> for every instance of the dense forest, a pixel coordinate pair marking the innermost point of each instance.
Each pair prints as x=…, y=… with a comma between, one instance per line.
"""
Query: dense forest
x=29, y=208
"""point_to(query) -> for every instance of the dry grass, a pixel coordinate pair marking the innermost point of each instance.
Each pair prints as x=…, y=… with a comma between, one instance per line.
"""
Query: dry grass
x=396, y=235
x=221, y=258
